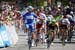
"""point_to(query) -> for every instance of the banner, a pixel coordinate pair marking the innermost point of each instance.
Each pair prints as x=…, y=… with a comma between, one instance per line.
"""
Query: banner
x=13, y=34
x=5, y=36
x=1, y=41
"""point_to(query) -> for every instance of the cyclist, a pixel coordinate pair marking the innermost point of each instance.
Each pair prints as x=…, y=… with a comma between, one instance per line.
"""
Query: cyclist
x=64, y=24
x=52, y=27
x=29, y=22
x=49, y=17
x=70, y=32
x=41, y=23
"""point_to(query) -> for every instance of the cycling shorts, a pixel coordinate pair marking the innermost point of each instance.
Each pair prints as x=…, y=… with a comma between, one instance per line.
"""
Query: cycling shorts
x=30, y=27
x=38, y=26
x=63, y=27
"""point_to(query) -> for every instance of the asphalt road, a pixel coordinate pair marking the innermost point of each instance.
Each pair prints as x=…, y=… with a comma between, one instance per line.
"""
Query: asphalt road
x=22, y=45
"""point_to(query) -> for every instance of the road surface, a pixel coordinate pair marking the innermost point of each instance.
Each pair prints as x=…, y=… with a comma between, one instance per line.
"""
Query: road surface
x=22, y=45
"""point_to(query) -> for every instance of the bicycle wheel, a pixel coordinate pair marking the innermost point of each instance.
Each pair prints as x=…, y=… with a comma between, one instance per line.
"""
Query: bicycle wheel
x=36, y=42
x=29, y=44
x=63, y=40
x=48, y=43
x=29, y=40
x=49, y=38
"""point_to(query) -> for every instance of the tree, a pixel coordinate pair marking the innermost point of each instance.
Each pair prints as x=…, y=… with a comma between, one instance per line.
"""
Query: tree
x=65, y=2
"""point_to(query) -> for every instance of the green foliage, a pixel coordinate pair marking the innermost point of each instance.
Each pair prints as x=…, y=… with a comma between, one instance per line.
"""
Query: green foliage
x=65, y=2
x=7, y=0
x=37, y=2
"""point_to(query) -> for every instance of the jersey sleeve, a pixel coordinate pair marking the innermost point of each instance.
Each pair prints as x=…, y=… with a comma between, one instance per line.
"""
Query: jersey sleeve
x=24, y=16
x=57, y=25
x=35, y=16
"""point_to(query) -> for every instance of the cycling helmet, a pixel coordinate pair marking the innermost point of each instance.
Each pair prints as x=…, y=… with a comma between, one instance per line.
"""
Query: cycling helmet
x=30, y=8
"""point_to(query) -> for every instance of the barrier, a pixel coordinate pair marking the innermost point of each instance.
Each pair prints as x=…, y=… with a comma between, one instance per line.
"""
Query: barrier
x=13, y=34
x=5, y=36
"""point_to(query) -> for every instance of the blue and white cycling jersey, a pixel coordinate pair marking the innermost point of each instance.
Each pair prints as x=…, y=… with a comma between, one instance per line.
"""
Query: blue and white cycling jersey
x=29, y=18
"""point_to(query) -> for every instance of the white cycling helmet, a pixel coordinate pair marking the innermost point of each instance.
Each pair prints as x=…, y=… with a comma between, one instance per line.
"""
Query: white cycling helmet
x=30, y=8
x=69, y=16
